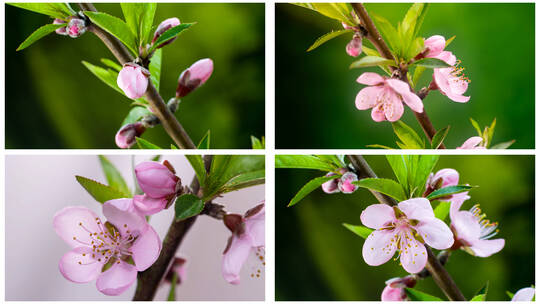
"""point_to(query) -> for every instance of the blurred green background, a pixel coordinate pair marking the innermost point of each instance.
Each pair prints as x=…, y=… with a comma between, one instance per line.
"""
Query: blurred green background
x=53, y=101
x=319, y=259
x=315, y=91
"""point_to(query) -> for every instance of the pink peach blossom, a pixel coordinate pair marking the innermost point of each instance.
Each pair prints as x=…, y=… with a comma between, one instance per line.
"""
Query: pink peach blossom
x=125, y=137
x=445, y=178
x=434, y=46
x=354, y=47
x=403, y=228
x=60, y=31
x=385, y=96
x=395, y=288
x=155, y=179
x=247, y=236
x=195, y=76
x=475, y=142
x=345, y=184
x=163, y=27
x=330, y=186
x=75, y=27
x=133, y=80
x=97, y=246
x=524, y=294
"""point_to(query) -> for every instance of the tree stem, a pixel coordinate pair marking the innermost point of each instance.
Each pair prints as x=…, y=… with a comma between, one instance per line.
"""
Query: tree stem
x=437, y=271
x=377, y=40
x=160, y=109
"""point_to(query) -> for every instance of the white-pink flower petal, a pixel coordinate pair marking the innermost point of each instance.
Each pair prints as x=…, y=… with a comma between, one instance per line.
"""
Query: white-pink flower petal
x=117, y=279
x=377, y=216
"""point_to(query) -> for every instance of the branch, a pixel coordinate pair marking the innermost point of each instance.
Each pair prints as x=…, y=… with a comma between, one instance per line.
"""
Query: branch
x=438, y=272
x=167, y=118
x=376, y=39
x=148, y=280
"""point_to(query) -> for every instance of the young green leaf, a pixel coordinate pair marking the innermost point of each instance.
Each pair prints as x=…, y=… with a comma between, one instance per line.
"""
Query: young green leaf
x=55, y=10
x=338, y=11
x=416, y=295
x=108, y=76
x=155, y=68
x=115, y=27
x=244, y=180
x=197, y=164
x=359, y=230
x=145, y=144
x=205, y=141
x=256, y=143
x=309, y=187
x=422, y=168
x=418, y=71
x=139, y=18
x=99, y=191
x=449, y=40
x=186, y=206
x=383, y=185
x=327, y=37
x=38, y=34
x=503, y=145
x=400, y=167
x=114, y=178
x=369, y=61
x=415, y=47
x=431, y=63
x=303, y=162
x=111, y=64
x=370, y=52
x=390, y=33
x=169, y=34
x=332, y=159
x=135, y=114
x=225, y=168
x=446, y=191
x=482, y=293
x=476, y=126
x=442, y=210
x=439, y=137
x=407, y=135
x=491, y=131
x=379, y=146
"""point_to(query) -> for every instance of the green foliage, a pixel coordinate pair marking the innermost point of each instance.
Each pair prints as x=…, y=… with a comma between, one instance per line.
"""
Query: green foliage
x=155, y=68
x=416, y=295
x=327, y=37
x=481, y=295
x=38, y=34
x=55, y=10
x=409, y=138
x=304, y=162
x=487, y=135
x=115, y=27
x=197, y=164
x=99, y=191
x=369, y=61
x=439, y=137
x=359, y=230
x=108, y=76
x=186, y=206
x=442, y=210
x=145, y=144
x=412, y=171
x=256, y=143
x=135, y=114
x=139, y=18
x=432, y=63
x=205, y=141
x=169, y=34
x=115, y=66
x=309, y=187
x=172, y=290
x=446, y=191
x=114, y=177
x=338, y=11
x=383, y=185
x=338, y=161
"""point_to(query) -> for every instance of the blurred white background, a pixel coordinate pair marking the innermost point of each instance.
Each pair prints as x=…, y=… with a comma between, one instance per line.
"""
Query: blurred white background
x=38, y=186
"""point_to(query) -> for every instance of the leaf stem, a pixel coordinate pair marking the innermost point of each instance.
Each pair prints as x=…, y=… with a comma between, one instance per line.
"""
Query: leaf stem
x=435, y=268
x=171, y=125
x=377, y=40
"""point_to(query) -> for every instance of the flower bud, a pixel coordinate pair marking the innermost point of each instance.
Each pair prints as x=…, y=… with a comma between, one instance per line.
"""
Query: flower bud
x=162, y=28
x=330, y=186
x=345, y=183
x=195, y=76
x=434, y=45
x=178, y=267
x=76, y=27
x=146, y=205
x=155, y=179
x=354, y=47
x=133, y=80
x=125, y=137
x=60, y=31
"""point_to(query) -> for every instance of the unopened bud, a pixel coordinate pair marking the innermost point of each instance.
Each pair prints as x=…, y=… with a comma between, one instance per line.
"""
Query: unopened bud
x=354, y=47
x=76, y=27
x=162, y=28
x=330, y=186
x=345, y=184
x=125, y=137
x=60, y=31
x=133, y=80
x=195, y=76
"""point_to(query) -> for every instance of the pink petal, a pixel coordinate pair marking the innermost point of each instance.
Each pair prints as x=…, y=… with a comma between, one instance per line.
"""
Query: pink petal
x=367, y=97
x=379, y=247
x=121, y=213
x=466, y=227
x=234, y=258
x=146, y=205
x=155, y=179
x=456, y=201
x=413, y=254
x=485, y=248
x=146, y=249
x=435, y=233
x=457, y=97
x=393, y=107
x=447, y=57
x=255, y=228
x=371, y=79
x=377, y=114
x=393, y=294
x=417, y=208
x=87, y=271
x=377, y=216
x=66, y=224
x=524, y=294
x=402, y=88
x=435, y=44
x=117, y=279
x=471, y=143
x=201, y=70
x=450, y=177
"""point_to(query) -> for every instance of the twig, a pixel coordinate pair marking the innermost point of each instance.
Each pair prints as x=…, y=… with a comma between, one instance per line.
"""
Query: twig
x=437, y=271
x=167, y=118
x=375, y=37
x=148, y=280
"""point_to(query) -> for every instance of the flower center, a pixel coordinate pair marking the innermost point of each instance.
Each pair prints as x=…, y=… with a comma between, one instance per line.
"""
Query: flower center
x=487, y=229
x=458, y=74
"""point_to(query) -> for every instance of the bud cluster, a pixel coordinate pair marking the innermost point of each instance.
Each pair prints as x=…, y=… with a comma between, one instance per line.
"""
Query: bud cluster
x=343, y=183
x=74, y=28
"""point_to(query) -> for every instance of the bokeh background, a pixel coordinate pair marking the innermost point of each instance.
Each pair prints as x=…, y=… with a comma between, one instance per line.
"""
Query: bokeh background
x=53, y=101
x=319, y=259
x=39, y=186
x=315, y=91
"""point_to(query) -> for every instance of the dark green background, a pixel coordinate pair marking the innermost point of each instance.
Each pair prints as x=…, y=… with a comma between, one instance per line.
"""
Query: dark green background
x=318, y=259
x=53, y=101
x=315, y=91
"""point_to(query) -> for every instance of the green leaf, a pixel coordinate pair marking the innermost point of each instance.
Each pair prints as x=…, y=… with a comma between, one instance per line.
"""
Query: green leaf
x=407, y=135
x=379, y=146
x=449, y=41
x=442, y=210
x=99, y=191
x=172, y=290
x=418, y=71
x=359, y=230
x=155, y=68
x=368, y=61
x=256, y=143
x=245, y=180
x=135, y=114
x=186, y=206
x=415, y=47
x=144, y=144
x=303, y=162
x=439, y=137
x=422, y=168
x=108, y=76
x=476, y=126
x=309, y=187
x=432, y=63
x=111, y=64
x=114, y=178
x=503, y=145
x=169, y=34
x=383, y=185
x=115, y=27
x=416, y=295
x=173, y=147
x=205, y=141
x=400, y=168
x=197, y=164
x=509, y=294
x=370, y=52
x=139, y=18
x=389, y=32
x=38, y=34
x=482, y=293
x=338, y=11
x=327, y=37
x=490, y=132
x=331, y=159
x=55, y=10
x=226, y=168
x=446, y=191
